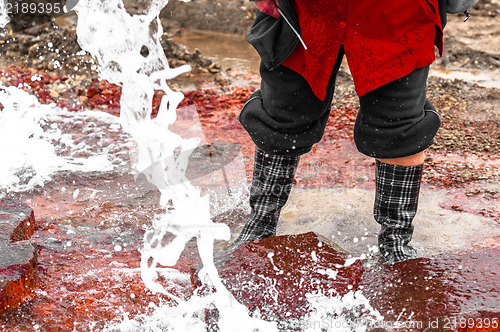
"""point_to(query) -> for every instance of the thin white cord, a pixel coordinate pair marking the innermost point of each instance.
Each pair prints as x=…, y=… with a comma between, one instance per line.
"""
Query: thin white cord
x=293, y=29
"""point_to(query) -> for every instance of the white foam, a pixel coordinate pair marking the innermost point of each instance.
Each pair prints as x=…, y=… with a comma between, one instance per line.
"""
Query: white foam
x=4, y=18
x=32, y=142
x=349, y=313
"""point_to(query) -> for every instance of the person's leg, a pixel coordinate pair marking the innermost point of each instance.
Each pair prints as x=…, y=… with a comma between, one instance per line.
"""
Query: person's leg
x=284, y=119
x=395, y=125
x=413, y=160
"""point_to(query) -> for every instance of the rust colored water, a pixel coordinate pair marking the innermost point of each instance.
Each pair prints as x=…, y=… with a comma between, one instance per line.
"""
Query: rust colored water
x=452, y=292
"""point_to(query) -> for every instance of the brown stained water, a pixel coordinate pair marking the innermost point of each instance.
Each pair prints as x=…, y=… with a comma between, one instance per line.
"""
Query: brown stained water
x=483, y=78
x=229, y=50
x=458, y=292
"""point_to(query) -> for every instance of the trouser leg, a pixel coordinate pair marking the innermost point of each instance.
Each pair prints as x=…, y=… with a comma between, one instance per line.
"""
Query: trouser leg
x=396, y=202
x=271, y=184
x=397, y=120
x=285, y=117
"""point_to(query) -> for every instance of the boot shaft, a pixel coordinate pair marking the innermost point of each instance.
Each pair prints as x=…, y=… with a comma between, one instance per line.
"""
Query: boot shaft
x=273, y=175
x=271, y=185
x=397, y=192
x=396, y=203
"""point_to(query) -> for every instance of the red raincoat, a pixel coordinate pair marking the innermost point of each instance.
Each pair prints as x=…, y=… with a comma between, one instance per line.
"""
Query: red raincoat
x=383, y=40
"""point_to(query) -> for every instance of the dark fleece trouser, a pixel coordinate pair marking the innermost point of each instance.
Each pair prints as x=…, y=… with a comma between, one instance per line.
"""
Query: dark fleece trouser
x=285, y=117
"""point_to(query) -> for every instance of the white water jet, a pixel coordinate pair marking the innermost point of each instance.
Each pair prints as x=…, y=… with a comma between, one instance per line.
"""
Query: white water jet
x=128, y=51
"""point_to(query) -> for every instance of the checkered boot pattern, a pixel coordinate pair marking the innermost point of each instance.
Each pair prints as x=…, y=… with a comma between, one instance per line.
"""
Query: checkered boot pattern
x=271, y=184
x=396, y=201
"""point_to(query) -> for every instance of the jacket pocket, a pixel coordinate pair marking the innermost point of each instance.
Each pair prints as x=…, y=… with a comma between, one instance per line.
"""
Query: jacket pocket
x=273, y=38
x=410, y=20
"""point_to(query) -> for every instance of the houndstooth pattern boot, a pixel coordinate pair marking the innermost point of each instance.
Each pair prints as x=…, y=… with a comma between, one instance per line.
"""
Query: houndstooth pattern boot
x=271, y=184
x=396, y=201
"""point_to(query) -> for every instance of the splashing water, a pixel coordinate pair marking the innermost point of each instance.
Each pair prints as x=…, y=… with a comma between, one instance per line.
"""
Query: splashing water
x=4, y=18
x=128, y=51
x=28, y=130
x=328, y=313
